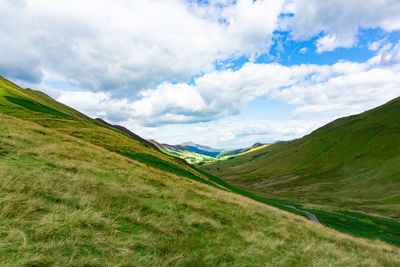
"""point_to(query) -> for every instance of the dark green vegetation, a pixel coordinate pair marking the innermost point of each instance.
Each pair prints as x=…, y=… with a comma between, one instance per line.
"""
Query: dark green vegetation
x=166, y=166
x=74, y=192
x=352, y=163
x=345, y=221
x=37, y=107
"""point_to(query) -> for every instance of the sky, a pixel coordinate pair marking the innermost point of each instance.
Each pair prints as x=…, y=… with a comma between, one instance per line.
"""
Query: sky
x=222, y=73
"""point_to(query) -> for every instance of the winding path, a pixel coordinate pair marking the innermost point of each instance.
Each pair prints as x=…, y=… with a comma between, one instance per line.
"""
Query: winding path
x=311, y=216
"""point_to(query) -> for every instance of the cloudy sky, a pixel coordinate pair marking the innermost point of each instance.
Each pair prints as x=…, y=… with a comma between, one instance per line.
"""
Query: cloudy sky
x=220, y=72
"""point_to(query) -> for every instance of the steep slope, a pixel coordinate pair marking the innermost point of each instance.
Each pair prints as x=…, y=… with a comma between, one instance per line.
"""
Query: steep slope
x=130, y=133
x=37, y=107
x=351, y=163
x=67, y=199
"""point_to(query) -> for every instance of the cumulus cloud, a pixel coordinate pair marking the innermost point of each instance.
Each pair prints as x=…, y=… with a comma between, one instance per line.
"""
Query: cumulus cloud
x=126, y=46
x=339, y=89
x=313, y=90
x=131, y=61
x=339, y=21
x=317, y=93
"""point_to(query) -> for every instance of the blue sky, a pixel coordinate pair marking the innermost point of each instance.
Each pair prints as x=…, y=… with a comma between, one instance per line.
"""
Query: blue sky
x=222, y=73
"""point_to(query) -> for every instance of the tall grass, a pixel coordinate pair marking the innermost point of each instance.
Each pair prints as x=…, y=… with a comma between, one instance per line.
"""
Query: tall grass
x=67, y=202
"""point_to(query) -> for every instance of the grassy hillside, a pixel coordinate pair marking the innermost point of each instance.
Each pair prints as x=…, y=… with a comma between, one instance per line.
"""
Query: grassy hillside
x=68, y=198
x=231, y=153
x=352, y=163
x=127, y=131
x=37, y=107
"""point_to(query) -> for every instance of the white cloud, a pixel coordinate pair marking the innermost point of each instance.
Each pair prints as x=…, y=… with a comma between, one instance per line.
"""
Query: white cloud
x=236, y=134
x=328, y=91
x=252, y=131
x=131, y=60
x=125, y=46
x=339, y=20
x=331, y=41
x=97, y=104
x=375, y=46
x=303, y=50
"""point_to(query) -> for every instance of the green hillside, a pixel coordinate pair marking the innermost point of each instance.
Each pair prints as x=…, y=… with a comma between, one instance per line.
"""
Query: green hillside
x=37, y=107
x=352, y=163
x=229, y=153
x=76, y=193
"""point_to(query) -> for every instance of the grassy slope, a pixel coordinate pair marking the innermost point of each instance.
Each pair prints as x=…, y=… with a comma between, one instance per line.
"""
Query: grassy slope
x=351, y=163
x=231, y=152
x=67, y=200
x=39, y=108
x=47, y=112
x=226, y=154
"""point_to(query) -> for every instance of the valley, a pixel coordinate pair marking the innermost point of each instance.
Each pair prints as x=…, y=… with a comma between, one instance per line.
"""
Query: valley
x=75, y=191
x=349, y=167
x=199, y=154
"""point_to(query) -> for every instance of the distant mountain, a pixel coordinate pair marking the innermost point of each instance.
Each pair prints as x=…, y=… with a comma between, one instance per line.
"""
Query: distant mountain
x=176, y=147
x=352, y=162
x=203, y=150
x=257, y=145
x=199, y=154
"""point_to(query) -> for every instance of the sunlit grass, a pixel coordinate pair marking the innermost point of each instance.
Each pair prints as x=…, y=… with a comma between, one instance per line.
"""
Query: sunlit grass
x=76, y=193
x=65, y=201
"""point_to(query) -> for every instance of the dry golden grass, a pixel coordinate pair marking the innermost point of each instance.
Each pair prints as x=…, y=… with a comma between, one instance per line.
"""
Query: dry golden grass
x=68, y=202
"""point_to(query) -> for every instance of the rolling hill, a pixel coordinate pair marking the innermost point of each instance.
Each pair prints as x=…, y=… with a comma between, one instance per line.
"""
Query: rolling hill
x=200, y=154
x=351, y=163
x=76, y=192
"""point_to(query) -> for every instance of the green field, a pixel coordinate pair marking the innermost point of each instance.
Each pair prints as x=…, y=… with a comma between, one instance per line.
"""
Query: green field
x=201, y=156
x=351, y=164
x=76, y=193
x=189, y=156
